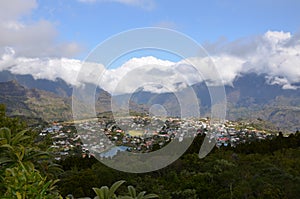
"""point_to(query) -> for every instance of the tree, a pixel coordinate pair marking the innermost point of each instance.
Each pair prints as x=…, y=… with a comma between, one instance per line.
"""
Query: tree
x=18, y=177
x=26, y=182
x=13, y=152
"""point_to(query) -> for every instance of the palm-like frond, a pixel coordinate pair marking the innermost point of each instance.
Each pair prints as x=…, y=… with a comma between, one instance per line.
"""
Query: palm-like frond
x=108, y=193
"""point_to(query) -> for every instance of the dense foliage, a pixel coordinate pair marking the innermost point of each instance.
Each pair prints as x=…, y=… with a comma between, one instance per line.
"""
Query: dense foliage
x=262, y=169
x=266, y=169
x=24, y=169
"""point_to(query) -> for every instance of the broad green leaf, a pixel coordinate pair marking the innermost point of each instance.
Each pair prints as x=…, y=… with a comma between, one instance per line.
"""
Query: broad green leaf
x=141, y=195
x=115, y=186
x=104, y=194
x=132, y=191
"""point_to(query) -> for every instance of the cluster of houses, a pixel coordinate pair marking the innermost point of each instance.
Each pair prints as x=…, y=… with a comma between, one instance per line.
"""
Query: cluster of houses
x=140, y=134
x=135, y=134
x=229, y=134
x=64, y=139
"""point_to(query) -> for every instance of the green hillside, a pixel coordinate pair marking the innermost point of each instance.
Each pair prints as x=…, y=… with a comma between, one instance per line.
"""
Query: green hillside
x=33, y=103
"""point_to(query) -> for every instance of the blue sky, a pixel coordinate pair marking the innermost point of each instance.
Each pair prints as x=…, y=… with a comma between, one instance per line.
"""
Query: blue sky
x=90, y=22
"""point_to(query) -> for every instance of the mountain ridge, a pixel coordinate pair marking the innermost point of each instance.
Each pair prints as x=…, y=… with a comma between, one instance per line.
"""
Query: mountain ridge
x=35, y=103
x=250, y=97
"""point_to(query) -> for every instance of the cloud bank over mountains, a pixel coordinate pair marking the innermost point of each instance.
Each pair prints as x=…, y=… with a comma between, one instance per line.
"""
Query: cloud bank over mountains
x=276, y=54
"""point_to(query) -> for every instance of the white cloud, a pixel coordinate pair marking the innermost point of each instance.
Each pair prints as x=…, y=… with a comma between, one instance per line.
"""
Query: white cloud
x=277, y=59
x=280, y=81
x=51, y=68
x=31, y=39
x=138, y=72
x=276, y=37
x=41, y=68
x=13, y=9
x=228, y=67
x=275, y=54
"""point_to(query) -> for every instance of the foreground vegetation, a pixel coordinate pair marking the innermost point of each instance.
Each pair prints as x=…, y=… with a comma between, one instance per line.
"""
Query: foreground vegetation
x=265, y=169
